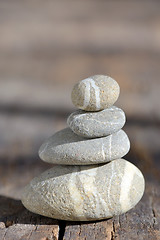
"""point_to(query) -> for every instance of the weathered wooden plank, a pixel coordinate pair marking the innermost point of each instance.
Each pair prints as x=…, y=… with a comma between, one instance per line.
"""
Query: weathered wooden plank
x=30, y=232
x=18, y=223
x=98, y=230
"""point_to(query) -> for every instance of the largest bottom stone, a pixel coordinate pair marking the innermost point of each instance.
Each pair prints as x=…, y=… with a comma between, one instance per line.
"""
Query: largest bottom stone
x=85, y=193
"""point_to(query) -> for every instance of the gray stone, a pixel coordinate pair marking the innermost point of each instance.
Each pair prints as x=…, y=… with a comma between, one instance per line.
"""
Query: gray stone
x=95, y=93
x=65, y=147
x=97, y=124
x=85, y=193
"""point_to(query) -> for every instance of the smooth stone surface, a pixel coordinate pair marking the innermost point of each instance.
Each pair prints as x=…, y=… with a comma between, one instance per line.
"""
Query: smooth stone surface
x=95, y=93
x=65, y=147
x=97, y=124
x=85, y=193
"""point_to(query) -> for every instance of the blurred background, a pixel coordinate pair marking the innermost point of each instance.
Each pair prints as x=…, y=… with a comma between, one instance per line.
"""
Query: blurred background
x=46, y=47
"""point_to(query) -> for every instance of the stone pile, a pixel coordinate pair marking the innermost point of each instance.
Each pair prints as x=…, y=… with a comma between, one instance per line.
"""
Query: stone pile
x=90, y=180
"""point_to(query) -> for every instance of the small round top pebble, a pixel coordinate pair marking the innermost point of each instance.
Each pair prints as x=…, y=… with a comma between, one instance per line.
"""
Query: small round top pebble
x=95, y=93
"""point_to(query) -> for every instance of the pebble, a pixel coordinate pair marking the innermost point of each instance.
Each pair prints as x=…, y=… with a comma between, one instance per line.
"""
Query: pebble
x=66, y=147
x=95, y=93
x=96, y=124
x=85, y=193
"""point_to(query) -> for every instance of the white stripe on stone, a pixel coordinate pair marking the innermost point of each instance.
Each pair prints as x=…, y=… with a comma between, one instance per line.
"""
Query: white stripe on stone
x=91, y=191
x=109, y=187
x=43, y=150
x=103, y=152
x=110, y=147
x=90, y=82
x=126, y=185
x=76, y=197
x=96, y=89
x=105, y=123
x=87, y=92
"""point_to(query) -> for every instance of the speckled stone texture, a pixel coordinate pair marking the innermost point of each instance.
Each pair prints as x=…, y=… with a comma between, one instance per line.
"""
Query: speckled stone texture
x=95, y=93
x=84, y=193
x=65, y=147
x=96, y=124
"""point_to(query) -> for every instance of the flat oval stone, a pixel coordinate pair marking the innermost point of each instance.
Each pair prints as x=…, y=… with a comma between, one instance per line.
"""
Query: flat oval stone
x=95, y=93
x=97, y=124
x=66, y=147
x=85, y=193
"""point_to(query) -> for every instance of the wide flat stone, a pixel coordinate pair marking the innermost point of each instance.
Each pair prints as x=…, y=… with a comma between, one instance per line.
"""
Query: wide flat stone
x=97, y=124
x=95, y=93
x=85, y=193
x=65, y=147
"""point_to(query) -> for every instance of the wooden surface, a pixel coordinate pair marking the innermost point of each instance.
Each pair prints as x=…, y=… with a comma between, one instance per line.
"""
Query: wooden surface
x=45, y=47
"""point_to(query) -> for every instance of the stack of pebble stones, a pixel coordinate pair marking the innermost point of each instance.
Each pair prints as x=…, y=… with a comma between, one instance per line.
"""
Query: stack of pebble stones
x=90, y=181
